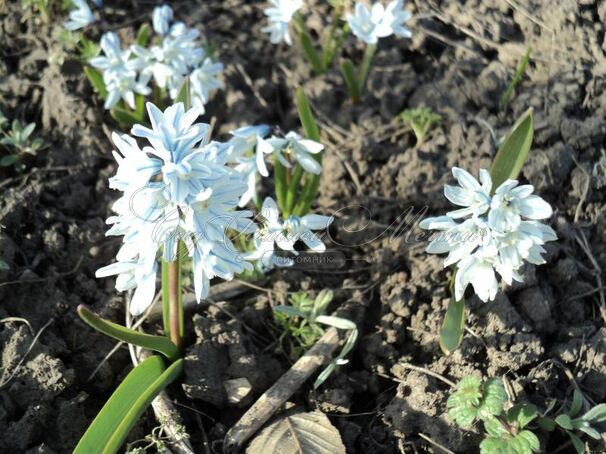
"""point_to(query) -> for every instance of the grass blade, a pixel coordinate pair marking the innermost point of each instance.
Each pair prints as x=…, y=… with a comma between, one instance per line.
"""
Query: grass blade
x=158, y=344
x=504, y=100
x=351, y=80
x=513, y=151
x=453, y=326
x=109, y=429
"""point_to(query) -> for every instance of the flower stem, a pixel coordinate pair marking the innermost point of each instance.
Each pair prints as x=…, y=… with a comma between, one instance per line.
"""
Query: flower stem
x=174, y=304
x=365, y=68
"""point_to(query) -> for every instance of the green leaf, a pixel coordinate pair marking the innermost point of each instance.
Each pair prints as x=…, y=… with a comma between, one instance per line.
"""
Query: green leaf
x=453, y=326
x=564, y=422
x=143, y=35
x=9, y=160
x=578, y=444
x=27, y=131
x=289, y=310
x=124, y=117
x=513, y=152
x=577, y=403
x=504, y=100
x=323, y=376
x=596, y=414
x=546, y=424
x=306, y=116
x=310, y=52
x=120, y=413
x=493, y=400
x=351, y=80
x=463, y=402
x=158, y=344
x=337, y=322
x=96, y=79
x=590, y=431
x=522, y=414
x=4, y=266
x=184, y=94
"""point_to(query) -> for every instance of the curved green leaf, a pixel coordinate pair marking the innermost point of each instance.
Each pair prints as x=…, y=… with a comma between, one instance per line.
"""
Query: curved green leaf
x=513, y=151
x=453, y=326
x=184, y=94
x=158, y=344
x=120, y=413
x=96, y=79
x=143, y=35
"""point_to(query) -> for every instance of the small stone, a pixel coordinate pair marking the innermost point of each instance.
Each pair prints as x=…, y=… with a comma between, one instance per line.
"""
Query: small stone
x=237, y=389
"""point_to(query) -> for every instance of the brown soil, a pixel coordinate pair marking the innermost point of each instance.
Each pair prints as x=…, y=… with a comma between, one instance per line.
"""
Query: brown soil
x=540, y=334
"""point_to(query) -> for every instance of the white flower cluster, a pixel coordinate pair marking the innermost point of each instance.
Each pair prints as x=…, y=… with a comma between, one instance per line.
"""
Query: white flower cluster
x=176, y=56
x=498, y=233
x=285, y=234
x=182, y=186
x=81, y=15
x=176, y=188
x=379, y=22
x=288, y=149
x=279, y=16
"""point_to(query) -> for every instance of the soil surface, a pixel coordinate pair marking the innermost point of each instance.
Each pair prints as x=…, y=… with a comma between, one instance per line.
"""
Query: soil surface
x=543, y=335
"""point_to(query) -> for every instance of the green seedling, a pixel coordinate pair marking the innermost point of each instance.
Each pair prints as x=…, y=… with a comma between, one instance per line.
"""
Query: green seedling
x=575, y=423
x=303, y=322
x=18, y=142
x=517, y=77
x=505, y=431
x=421, y=120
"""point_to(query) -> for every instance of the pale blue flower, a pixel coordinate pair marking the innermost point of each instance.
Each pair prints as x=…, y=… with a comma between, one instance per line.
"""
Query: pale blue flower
x=161, y=19
x=299, y=149
x=80, y=16
x=205, y=79
x=279, y=16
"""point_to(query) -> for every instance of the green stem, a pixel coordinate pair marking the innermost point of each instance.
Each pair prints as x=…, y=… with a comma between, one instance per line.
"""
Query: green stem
x=292, y=189
x=280, y=184
x=365, y=68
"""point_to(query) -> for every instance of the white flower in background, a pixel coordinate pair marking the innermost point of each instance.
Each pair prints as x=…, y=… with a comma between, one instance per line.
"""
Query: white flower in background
x=300, y=149
x=114, y=60
x=500, y=233
x=393, y=20
x=284, y=235
x=124, y=85
x=80, y=16
x=245, y=139
x=176, y=188
x=377, y=22
x=161, y=19
x=177, y=55
x=205, y=79
x=279, y=16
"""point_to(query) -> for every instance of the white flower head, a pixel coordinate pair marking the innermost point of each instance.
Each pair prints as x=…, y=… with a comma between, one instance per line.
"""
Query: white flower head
x=176, y=188
x=300, y=149
x=279, y=16
x=284, y=234
x=204, y=80
x=80, y=16
x=377, y=22
x=161, y=19
x=497, y=235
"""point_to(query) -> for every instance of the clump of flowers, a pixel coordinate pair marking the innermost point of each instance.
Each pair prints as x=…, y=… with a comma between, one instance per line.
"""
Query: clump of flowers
x=176, y=188
x=368, y=25
x=174, y=57
x=497, y=233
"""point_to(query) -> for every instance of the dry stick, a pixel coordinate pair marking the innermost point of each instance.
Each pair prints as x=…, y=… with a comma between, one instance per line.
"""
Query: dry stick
x=435, y=443
x=276, y=396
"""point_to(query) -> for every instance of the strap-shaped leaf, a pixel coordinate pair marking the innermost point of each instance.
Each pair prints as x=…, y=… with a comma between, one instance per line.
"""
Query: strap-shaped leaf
x=143, y=35
x=184, y=94
x=120, y=413
x=513, y=151
x=453, y=326
x=125, y=117
x=96, y=79
x=351, y=80
x=337, y=322
x=158, y=344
